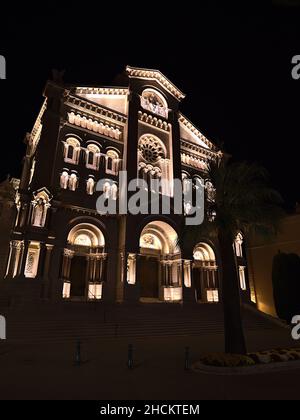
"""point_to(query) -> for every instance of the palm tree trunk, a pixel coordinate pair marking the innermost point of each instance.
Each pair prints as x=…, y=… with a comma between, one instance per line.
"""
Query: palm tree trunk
x=234, y=335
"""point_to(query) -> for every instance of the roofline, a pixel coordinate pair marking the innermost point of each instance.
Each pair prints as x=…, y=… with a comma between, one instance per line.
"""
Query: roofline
x=140, y=73
x=103, y=90
x=184, y=120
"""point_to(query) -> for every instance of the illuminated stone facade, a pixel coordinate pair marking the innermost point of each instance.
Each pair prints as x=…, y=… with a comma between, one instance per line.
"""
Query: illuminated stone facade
x=61, y=248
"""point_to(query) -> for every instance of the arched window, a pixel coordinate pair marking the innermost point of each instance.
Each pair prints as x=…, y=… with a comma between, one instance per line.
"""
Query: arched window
x=107, y=189
x=90, y=186
x=198, y=182
x=239, y=245
x=73, y=182
x=154, y=102
x=242, y=276
x=112, y=162
x=72, y=151
x=92, y=157
x=114, y=191
x=187, y=192
x=83, y=239
x=242, y=269
x=186, y=183
x=64, y=180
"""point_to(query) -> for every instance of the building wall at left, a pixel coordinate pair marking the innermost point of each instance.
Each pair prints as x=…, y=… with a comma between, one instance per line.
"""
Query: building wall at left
x=7, y=219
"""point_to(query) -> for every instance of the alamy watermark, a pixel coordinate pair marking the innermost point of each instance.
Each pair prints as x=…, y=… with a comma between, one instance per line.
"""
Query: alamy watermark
x=296, y=68
x=155, y=197
x=2, y=328
x=296, y=329
x=2, y=67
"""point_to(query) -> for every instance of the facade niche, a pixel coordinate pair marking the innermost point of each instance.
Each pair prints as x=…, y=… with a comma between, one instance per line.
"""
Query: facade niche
x=40, y=206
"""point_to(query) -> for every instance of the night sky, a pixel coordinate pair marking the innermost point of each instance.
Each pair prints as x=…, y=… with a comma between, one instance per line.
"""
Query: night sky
x=233, y=64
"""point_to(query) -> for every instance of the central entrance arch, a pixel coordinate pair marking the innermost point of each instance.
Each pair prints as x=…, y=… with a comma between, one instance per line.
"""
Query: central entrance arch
x=84, y=263
x=160, y=268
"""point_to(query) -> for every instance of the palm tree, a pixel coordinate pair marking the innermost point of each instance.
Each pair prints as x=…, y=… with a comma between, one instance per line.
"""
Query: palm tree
x=243, y=201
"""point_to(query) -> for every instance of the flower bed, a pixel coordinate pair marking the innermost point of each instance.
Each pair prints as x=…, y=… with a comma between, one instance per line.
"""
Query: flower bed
x=252, y=359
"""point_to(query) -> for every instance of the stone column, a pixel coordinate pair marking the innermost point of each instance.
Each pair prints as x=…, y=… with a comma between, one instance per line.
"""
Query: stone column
x=65, y=269
x=131, y=278
x=188, y=289
x=13, y=262
x=46, y=277
x=23, y=262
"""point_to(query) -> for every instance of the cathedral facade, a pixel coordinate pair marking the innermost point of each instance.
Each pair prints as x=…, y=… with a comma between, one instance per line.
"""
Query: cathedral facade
x=61, y=248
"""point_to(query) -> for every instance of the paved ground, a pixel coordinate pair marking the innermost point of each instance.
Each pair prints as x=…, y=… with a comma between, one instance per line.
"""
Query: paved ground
x=46, y=371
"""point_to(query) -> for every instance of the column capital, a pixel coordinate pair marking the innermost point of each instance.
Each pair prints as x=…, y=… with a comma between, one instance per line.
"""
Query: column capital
x=68, y=253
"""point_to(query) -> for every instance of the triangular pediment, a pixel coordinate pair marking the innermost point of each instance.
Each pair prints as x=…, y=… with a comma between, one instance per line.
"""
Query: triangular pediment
x=147, y=74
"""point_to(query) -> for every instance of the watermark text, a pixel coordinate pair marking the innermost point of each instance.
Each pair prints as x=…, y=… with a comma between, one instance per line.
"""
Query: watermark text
x=296, y=68
x=2, y=328
x=2, y=67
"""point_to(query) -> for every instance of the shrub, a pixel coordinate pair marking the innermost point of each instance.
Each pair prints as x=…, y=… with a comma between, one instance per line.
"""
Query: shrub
x=226, y=360
x=258, y=358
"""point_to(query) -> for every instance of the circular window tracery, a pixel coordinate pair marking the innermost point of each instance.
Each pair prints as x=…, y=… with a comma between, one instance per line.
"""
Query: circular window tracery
x=151, y=149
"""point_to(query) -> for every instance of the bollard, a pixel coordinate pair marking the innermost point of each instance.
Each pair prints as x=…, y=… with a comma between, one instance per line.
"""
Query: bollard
x=187, y=359
x=78, y=354
x=130, y=357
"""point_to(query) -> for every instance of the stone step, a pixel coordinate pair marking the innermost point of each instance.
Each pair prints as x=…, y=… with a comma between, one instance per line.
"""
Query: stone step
x=124, y=321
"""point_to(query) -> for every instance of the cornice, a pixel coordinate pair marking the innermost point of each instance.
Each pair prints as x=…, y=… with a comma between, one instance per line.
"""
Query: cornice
x=197, y=150
x=190, y=126
x=102, y=91
x=95, y=110
x=96, y=126
x=147, y=74
x=156, y=122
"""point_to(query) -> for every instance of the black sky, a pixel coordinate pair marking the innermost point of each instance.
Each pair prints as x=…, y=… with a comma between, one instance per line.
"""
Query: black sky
x=233, y=64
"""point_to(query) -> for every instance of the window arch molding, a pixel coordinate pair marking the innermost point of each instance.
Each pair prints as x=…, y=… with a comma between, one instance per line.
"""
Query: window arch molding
x=113, y=149
x=185, y=175
x=154, y=101
x=186, y=182
x=157, y=93
x=112, y=160
x=198, y=181
x=94, y=142
x=72, y=148
x=94, y=235
x=93, y=154
x=75, y=136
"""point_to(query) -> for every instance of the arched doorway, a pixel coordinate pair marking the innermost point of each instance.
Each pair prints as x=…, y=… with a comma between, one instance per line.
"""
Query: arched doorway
x=84, y=263
x=205, y=274
x=159, y=270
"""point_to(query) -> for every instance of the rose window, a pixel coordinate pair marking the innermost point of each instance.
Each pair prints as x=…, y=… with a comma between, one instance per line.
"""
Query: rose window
x=151, y=149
